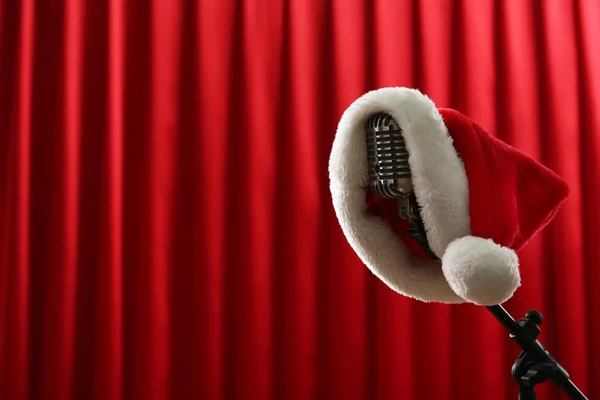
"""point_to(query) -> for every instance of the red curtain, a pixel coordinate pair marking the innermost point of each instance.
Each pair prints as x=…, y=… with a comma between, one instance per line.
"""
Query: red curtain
x=166, y=229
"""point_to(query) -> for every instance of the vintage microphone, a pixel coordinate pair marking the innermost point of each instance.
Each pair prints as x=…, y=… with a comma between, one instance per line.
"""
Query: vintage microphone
x=390, y=178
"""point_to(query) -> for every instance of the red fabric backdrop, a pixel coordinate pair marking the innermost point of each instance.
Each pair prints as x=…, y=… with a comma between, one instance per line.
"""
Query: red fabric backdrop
x=166, y=229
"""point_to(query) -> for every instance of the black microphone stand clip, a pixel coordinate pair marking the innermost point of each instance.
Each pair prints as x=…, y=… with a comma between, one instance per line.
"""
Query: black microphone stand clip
x=535, y=364
x=529, y=369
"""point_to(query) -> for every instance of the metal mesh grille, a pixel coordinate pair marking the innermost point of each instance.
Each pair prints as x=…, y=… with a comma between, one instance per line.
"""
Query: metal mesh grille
x=387, y=155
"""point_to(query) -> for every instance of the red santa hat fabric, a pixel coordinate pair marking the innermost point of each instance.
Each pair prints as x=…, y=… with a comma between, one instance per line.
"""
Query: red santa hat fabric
x=481, y=201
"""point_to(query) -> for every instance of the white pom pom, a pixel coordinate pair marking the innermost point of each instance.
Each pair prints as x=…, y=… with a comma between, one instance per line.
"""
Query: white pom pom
x=481, y=271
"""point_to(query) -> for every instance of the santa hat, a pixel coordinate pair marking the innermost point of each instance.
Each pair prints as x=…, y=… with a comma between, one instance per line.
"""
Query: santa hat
x=481, y=201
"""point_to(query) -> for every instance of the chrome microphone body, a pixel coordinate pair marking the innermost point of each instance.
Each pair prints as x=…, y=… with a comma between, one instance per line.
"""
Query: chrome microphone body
x=389, y=172
x=389, y=169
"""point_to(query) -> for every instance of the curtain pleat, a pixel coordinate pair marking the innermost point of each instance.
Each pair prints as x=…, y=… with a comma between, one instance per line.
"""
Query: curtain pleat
x=216, y=211
x=141, y=374
x=562, y=153
x=587, y=32
x=17, y=64
x=166, y=227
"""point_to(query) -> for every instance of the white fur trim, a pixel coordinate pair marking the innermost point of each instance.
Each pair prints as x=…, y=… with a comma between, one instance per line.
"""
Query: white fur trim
x=439, y=180
x=481, y=271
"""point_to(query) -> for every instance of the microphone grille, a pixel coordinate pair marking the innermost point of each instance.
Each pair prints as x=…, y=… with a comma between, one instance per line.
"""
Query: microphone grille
x=389, y=170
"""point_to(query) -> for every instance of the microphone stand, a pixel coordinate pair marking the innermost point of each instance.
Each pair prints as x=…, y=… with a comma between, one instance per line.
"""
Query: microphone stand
x=534, y=365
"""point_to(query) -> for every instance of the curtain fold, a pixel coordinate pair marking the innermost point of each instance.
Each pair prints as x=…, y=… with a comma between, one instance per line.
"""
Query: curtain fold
x=166, y=227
